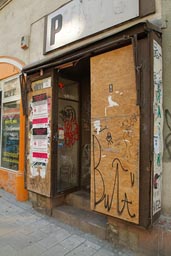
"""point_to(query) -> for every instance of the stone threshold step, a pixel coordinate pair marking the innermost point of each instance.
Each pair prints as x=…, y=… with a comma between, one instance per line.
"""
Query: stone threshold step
x=87, y=221
x=79, y=199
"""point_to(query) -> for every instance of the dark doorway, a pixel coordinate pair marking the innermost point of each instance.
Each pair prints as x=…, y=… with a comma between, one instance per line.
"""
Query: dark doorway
x=78, y=76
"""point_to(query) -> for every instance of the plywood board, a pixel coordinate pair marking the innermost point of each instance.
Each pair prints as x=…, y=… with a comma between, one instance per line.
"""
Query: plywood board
x=115, y=129
x=38, y=141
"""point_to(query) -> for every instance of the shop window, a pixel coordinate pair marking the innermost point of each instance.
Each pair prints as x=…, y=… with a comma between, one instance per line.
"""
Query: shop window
x=10, y=123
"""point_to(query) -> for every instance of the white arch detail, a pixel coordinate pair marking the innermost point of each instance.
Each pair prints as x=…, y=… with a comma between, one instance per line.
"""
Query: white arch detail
x=12, y=62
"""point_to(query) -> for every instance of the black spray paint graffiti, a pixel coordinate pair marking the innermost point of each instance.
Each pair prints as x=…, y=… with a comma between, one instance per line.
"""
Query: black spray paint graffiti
x=109, y=138
x=108, y=200
x=157, y=53
x=168, y=137
x=68, y=113
x=156, y=181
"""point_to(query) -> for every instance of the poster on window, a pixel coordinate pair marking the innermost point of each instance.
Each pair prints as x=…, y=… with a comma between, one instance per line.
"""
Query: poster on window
x=11, y=89
x=10, y=137
x=40, y=106
x=40, y=139
x=40, y=145
x=40, y=130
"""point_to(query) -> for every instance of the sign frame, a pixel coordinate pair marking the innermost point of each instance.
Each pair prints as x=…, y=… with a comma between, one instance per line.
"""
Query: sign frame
x=61, y=26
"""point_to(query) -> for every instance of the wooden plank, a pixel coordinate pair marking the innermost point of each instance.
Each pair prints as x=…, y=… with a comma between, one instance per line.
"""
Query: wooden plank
x=38, y=141
x=144, y=59
x=115, y=126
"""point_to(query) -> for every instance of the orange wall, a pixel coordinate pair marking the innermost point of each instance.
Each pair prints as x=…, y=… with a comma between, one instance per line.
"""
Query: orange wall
x=7, y=70
x=13, y=181
x=8, y=181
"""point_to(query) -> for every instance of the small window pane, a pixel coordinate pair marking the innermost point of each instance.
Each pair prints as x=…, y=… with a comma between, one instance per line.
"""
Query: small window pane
x=68, y=89
x=11, y=90
x=10, y=135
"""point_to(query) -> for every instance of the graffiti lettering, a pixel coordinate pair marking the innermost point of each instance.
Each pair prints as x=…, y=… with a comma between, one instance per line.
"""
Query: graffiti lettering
x=108, y=200
x=157, y=53
x=132, y=177
x=168, y=137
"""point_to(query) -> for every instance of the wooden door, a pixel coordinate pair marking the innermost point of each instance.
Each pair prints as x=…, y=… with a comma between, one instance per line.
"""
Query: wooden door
x=68, y=135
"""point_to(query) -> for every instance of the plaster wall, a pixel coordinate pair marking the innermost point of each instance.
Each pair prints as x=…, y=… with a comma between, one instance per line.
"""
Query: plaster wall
x=22, y=18
x=166, y=42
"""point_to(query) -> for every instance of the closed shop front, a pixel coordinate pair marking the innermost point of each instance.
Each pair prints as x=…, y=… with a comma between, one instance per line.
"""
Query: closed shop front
x=94, y=123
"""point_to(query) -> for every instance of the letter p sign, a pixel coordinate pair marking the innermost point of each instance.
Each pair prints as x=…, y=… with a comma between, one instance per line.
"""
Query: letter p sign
x=56, y=26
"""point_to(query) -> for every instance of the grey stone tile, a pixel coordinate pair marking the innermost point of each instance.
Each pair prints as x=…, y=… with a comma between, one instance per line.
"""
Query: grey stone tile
x=54, y=238
x=8, y=251
x=72, y=242
x=3, y=241
x=6, y=227
x=31, y=250
x=38, y=235
x=105, y=252
x=25, y=232
x=49, y=228
x=82, y=250
x=92, y=245
x=18, y=241
x=30, y=218
x=58, y=250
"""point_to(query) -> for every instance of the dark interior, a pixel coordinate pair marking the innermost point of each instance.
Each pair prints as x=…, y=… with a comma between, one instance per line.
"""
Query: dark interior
x=80, y=71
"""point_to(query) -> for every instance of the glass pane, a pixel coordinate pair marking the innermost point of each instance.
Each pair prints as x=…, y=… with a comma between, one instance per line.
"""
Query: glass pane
x=11, y=90
x=41, y=84
x=68, y=89
x=68, y=144
x=10, y=135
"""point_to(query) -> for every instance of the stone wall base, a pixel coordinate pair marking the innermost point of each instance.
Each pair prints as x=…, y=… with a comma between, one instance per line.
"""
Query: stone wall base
x=150, y=242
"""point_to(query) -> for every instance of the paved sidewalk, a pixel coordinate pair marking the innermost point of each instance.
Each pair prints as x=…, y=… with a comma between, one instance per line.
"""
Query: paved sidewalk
x=25, y=232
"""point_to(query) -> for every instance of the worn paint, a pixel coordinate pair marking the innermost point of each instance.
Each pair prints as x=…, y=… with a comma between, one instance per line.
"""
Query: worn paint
x=97, y=126
x=158, y=127
x=111, y=104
